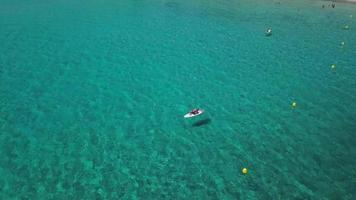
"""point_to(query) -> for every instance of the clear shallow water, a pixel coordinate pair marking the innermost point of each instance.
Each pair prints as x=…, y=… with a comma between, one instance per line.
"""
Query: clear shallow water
x=92, y=96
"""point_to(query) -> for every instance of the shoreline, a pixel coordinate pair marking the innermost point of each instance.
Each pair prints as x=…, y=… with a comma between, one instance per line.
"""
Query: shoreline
x=345, y=1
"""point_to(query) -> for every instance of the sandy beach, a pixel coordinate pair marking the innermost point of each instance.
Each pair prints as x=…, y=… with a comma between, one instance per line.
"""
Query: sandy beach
x=348, y=1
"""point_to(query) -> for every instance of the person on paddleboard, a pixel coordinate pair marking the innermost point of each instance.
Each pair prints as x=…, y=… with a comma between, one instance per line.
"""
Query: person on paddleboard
x=195, y=111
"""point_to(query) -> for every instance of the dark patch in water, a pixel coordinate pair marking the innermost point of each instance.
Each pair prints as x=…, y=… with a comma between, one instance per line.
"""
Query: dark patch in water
x=172, y=4
x=202, y=122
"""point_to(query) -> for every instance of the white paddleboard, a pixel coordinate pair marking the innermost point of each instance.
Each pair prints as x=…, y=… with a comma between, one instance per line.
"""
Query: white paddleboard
x=189, y=115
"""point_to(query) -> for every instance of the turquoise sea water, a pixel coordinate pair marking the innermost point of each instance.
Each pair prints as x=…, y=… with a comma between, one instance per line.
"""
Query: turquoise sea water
x=93, y=93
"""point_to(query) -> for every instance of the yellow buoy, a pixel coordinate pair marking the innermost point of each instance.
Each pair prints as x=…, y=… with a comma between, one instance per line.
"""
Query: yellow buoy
x=333, y=66
x=244, y=170
x=294, y=104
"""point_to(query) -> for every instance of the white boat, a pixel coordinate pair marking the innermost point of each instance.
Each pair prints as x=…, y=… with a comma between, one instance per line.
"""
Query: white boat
x=194, y=113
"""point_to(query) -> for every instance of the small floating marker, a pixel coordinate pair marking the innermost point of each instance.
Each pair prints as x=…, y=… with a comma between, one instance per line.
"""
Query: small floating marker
x=342, y=44
x=333, y=66
x=244, y=170
x=346, y=27
x=294, y=104
x=268, y=32
x=350, y=16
